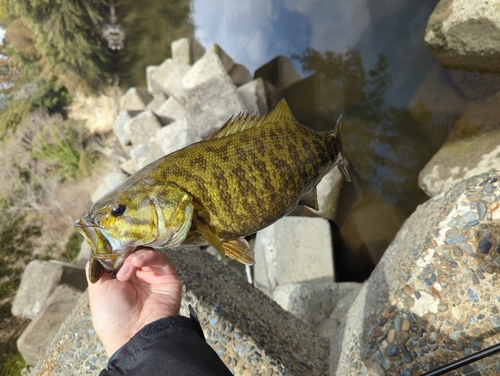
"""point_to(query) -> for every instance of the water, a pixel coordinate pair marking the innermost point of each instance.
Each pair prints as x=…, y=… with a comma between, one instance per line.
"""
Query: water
x=364, y=58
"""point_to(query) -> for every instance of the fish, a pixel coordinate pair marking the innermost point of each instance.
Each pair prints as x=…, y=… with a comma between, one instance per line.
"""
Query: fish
x=240, y=179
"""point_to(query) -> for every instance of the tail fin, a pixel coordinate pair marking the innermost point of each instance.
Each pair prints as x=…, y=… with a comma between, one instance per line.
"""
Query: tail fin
x=341, y=161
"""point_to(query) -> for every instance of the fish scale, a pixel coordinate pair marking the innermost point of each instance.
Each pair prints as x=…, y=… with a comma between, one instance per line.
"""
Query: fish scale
x=251, y=172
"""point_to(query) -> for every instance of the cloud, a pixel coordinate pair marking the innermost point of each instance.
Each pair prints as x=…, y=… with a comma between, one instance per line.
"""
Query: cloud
x=335, y=24
x=243, y=29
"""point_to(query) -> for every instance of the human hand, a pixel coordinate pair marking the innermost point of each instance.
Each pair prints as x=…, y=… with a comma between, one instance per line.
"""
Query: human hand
x=146, y=288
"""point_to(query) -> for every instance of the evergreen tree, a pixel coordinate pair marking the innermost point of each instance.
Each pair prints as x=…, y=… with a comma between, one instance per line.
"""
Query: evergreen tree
x=68, y=36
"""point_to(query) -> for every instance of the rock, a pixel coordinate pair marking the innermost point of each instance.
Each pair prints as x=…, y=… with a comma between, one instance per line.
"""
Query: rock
x=144, y=155
x=435, y=103
x=130, y=167
x=153, y=86
x=253, y=97
x=460, y=160
x=170, y=111
x=39, y=280
x=135, y=99
x=110, y=181
x=294, y=250
x=363, y=230
x=317, y=302
x=279, y=72
x=240, y=74
x=157, y=102
x=434, y=275
x=168, y=76
x=83, y=254
x=211, y=104
x=328, y=190
x=210, y=66
x=142, y=127
x=176, y=135
x=120, y=128
x=42, y=330
x=254, y=335
x=464, y=35
x=322, y=105
x=187, y=50
x=475, y=86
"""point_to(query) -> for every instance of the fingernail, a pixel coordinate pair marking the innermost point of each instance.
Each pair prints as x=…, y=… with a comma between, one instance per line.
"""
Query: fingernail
x=139, y=257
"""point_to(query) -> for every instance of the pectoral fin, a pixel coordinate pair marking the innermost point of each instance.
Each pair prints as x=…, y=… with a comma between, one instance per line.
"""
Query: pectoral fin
x=210, y=236
x=239, y=250
x=310, y=200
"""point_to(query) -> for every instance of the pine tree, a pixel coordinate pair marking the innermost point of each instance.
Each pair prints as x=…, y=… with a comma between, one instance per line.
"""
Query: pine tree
x=67, y=33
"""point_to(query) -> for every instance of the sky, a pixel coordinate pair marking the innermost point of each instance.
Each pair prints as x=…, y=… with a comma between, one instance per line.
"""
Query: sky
x=2, y=33
x=254, y=32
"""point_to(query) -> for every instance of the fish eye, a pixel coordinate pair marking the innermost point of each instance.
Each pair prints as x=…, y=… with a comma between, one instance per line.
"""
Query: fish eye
x=118, y=210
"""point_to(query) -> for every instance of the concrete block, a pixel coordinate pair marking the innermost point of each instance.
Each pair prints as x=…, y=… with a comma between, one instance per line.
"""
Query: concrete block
x=240, y=74
x=153, y=86
x=42, y=330
x=142, y=127
x=176, y=135
x=110, y=181
x=130, y=167
x=187, y=50
x=328, y=190
x=171, y=110
x=322, y=305
x=295, y=250
x=253, y=96
x=120, y=129
x=210, y=66
x=157, y=101
x=252, y=334
x=279, y=71
x=144, y=155
x=212, y=103
x=135, y=99
x=169, y=77
x=39, y=280
x=322, y=106
x=83, y=254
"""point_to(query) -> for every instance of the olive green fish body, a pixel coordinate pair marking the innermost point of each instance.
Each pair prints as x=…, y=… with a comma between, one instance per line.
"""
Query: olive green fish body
x=241, y=179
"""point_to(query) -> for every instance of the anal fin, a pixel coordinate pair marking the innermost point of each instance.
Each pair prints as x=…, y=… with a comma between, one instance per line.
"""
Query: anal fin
x=239, y=250
x=310, y=200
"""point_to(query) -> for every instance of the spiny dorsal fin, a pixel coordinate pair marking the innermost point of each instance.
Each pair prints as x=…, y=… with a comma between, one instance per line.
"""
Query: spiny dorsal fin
x=240, y=123
x=243, y=122
x=281, y=113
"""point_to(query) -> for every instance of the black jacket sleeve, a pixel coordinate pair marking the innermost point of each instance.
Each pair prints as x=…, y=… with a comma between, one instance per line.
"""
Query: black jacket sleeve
x=170, y=346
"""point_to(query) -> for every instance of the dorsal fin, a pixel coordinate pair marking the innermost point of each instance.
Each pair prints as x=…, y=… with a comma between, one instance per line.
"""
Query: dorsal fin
x=240, y=123
x=281, y=113
x=243, y=121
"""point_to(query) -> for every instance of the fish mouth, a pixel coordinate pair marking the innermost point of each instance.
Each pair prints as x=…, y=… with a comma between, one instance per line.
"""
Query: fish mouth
x=104, y=249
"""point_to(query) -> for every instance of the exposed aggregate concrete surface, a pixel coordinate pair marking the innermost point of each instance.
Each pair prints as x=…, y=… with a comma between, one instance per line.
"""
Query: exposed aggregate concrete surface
x=251, y=334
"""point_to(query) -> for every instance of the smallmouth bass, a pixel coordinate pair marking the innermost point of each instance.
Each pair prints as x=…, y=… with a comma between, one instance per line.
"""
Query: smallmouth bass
x=244, y=177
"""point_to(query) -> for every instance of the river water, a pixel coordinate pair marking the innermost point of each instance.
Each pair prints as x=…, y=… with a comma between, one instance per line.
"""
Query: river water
x=397, y=101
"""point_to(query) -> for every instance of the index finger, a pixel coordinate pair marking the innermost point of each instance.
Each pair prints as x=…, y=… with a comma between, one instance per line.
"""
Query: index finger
x=146, y=260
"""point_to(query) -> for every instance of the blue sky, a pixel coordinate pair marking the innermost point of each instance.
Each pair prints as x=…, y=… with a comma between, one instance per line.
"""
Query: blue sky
x=254, y=32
